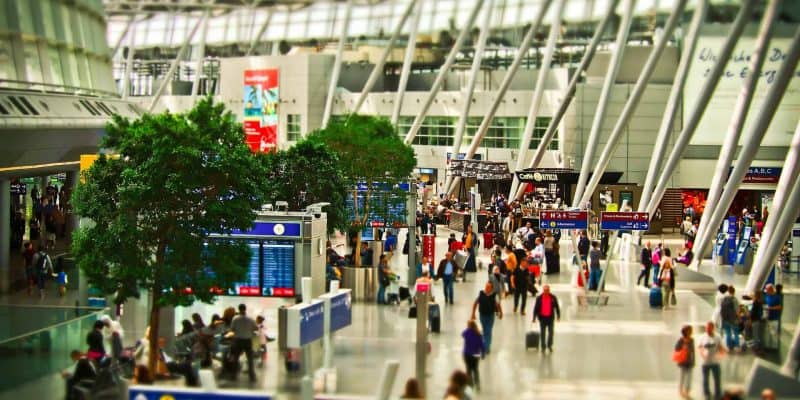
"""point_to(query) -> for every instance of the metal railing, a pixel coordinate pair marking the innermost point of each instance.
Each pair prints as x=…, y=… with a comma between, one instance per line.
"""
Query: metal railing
x=52, y=88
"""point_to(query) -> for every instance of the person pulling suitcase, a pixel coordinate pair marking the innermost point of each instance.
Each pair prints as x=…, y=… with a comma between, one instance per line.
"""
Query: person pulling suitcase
x=487, y=307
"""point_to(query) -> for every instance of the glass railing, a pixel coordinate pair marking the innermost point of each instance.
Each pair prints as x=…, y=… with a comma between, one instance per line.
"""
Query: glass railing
x=44, y=350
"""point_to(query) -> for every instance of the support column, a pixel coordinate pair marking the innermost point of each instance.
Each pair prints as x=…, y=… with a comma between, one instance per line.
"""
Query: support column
x=633, y=101
x=736, y=124
x=538, y=91
x=411, y=47
x=466, y=97
x=5, y=235
x=72, y=218
x=337, y=64
x=378, y=70
x=773, y=235
x=699, y=108
x=200, y=56
x=257, y=37
x=174, y=66
x=126, y=76
x=569, y=92
x=605, y=98
x=754, y=137
x=501, y=91
x=437, y=84
x=673, y=102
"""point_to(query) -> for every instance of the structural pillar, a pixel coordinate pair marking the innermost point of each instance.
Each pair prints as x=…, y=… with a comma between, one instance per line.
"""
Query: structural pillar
x=72, y=218
x=337, y=65
x=411, y=47
x=5, y=235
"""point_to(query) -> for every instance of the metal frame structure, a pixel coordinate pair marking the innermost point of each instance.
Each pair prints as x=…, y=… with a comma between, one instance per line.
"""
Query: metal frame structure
x=200, y=56
x=407, y=60
x=337, y=64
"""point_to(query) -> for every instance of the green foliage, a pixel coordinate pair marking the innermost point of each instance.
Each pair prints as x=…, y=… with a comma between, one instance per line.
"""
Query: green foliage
x=369, y=151
x=307, y=173
x=178, y=178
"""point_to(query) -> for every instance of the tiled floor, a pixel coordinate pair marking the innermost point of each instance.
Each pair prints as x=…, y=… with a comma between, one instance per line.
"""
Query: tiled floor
x=621, y=351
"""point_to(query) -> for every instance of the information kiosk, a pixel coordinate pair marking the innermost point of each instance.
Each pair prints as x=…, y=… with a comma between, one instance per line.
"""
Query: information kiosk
x=721, y=244
x=744, y=252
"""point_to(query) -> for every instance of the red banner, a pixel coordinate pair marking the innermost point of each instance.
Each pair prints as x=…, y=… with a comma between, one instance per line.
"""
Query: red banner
x=261, y=99
x=429, y=247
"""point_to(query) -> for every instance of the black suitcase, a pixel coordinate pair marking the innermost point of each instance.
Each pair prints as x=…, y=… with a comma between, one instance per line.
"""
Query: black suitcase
x=434, y=318
x=532, y=340
x=404, y=293
x=412, y=312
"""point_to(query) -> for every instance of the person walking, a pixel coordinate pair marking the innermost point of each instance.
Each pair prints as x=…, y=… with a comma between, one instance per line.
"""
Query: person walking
x=716, y=315
x=474, y=349
x=551, y=257
x=711, y=349
x=729, y=314
x=646, y=258
x=594, y=266
x=519, y=282
x=447, y=273
x=424, y=266
x=546, y=310
x=244, y=328
x=666, y=279
x=656, y=262
x=757, y=322
x=487, y=306
x=44, y=269
x=684, y=357
x=470, y=241
x=497, y=279
x=384, y=278
x=583, y=246
x=30, y=273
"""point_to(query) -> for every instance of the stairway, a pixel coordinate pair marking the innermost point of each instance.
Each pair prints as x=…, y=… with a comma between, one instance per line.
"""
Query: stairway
x=671, y=209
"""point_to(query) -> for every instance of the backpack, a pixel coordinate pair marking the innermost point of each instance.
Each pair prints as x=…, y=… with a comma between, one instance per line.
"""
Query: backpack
x=41, y=263
x=728, y=310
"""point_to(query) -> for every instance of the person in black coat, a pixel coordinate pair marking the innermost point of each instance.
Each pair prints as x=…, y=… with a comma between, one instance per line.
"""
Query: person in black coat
x=646, y=260
x=583, y=246
x=547, y=311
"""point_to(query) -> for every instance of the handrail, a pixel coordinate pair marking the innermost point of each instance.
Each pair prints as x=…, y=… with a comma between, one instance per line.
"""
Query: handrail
x=47, y=328
x=64, y=89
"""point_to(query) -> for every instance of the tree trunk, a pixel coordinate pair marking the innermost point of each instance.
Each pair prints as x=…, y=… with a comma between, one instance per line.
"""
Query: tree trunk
x=152, y=361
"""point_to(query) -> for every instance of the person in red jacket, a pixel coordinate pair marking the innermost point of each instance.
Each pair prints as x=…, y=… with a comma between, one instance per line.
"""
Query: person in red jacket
x=547, y=311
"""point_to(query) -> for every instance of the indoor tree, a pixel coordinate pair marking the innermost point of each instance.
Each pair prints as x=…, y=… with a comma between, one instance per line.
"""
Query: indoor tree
x=371, y=154
x=178, y=178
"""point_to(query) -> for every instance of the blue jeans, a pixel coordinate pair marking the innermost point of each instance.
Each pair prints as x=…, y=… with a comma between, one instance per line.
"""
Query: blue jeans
x=714, y=369
x=731, y=335
x=487, y=323
x=448, y=288
x=381, y=294
x=655, y=273
x=594, y=278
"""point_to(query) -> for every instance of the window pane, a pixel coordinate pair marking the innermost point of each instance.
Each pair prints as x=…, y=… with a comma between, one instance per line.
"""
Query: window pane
x=33, y=65
x=7, y=69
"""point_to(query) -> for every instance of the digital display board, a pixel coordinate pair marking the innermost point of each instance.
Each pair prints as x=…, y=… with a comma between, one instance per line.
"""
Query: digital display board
x=252, y=284
x=387, y=208
x=277, y=268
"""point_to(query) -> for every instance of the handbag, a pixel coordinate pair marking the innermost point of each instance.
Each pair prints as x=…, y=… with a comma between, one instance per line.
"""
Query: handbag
x=681, y=356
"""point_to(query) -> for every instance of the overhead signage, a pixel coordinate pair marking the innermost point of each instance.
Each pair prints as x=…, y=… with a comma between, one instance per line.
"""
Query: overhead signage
x=178, y=393
x=305, y=324
x=563, y=219
x=262, y=228
x=462, y=156
x=625, y=221
x=18, y=189
x=538, y=177
x=761, y=174
x=563, y=176
x=261, y=99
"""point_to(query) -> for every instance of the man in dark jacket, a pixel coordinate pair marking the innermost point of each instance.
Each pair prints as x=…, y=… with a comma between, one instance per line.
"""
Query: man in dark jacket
x=447, y=272
x=547, y=311
x=646, y=260
x=583, y=246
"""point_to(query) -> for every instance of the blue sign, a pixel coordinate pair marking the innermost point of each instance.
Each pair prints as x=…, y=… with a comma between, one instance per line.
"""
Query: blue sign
x=341, y=311
x=731, y=239
x=312, y=323
x=625, y=221
x=283, y=229
x=563, y=219
x=176, y=393
x=462, y=156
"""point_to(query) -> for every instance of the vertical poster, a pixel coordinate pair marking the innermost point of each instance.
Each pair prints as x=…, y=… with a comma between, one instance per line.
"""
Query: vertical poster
x=261, y=109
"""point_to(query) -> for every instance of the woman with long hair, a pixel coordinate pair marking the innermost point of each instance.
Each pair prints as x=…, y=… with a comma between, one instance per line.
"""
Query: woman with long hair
x=474, y=350
x=684, y=357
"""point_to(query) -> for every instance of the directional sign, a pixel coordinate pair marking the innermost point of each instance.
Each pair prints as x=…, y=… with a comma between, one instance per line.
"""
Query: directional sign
x=341, y=311
x=625, y=221
x=563, y=219
x=305, y=324
x=178, y=393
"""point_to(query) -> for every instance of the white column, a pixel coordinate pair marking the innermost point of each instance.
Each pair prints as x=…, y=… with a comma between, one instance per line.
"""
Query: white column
x=445, y=68
x=673, y=103
x=126, y=75
x=605, y=98
x=569, y=92
x=699, y=107
x=5, y=235
x=200, y=56
x=337, y=64
x=754, y=136
x=257, y=37
x=466, y=97
x=778, y=224
x=378, y=70
x=633, y=101
x=739, y=115
x=407, y=60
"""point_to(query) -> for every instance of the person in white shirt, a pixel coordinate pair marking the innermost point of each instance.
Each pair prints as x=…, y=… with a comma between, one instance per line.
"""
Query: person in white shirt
x=711, y=349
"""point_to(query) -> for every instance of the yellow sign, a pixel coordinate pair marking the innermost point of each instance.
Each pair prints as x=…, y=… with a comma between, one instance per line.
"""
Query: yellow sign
x=612, y=207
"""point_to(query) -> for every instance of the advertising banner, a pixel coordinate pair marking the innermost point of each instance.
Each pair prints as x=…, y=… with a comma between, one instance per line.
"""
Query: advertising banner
x=429, y=247
x=261, y=95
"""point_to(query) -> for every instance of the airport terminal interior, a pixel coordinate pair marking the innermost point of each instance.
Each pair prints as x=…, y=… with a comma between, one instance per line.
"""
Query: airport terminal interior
x=386, y=199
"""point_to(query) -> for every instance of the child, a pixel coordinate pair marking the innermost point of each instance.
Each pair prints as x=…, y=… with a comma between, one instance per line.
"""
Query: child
x=61, y=278
x=583, y=276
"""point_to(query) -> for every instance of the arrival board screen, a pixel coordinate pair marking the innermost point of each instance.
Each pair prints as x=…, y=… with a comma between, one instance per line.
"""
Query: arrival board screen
x=277, y=268
x=251, y=286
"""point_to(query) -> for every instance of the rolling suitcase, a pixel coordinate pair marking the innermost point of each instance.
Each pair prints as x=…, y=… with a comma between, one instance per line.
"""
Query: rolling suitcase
x=655, y=297
x=532, y=340
x=412, y=312
x=434, y=318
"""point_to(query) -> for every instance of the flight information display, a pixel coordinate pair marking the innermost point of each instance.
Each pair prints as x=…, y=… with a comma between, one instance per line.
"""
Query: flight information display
x=252, y=283
x=277, y=268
